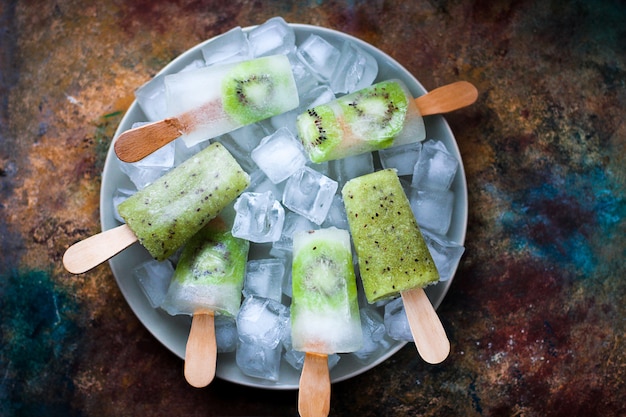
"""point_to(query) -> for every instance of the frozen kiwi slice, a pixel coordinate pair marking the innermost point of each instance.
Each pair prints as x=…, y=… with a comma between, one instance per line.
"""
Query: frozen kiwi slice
x=319, y=132
x=323, y=275
x=213, y=256
x=257, y=89
x=377, y=112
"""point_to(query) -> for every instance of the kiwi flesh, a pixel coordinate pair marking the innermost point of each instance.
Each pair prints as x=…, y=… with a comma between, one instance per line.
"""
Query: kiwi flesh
x=323, y=274
x=257, y=89
x=377, y=113
x=319, y=131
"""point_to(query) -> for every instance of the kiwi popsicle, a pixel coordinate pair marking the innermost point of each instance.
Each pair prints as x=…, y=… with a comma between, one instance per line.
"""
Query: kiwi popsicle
x=173, y=208
x=207, y=102
x=392, y=254
x=377, y=117
x=169, y=211
x=324, y=310
x=208, y=280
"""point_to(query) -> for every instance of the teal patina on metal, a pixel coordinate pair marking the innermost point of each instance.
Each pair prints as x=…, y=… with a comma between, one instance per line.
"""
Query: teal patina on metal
x=39, y=338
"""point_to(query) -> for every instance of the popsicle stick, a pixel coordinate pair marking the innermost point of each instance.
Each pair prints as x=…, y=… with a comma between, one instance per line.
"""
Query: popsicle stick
x=447, y=98
x=314, y=394
x=201, y=350
x=91, y=252
x=430, y=337
x=135, y=144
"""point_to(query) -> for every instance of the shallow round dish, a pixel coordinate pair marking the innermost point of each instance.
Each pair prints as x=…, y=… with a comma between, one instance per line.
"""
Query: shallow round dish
x=173, y=331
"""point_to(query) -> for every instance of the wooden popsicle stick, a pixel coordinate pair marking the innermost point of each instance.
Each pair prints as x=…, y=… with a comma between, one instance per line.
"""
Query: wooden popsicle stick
x=201, y=350
x=428, y=333
x=91, y=252
x=447, y=98
x=135, y=144
x=314, y=389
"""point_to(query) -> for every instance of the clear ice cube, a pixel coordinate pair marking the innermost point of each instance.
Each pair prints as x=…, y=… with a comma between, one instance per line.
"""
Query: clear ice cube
x=264, y=278
x=119, y=195
x=293, y=222
x=336, y=216
x=151, y=98
x=279, y=155
x=432, y=209
x=259, y=183
x=355, y=70
x=345, y=169
x=232, y=46
x=401, y=158
x=374, y=333
x=259, y=217
x=310, y=194
x=273, y=37
x=435, y=168
x=319, y=56
x=263, y=321
x=144, y=172
x=396, y=321
x=445, y=253
x=226, y=335
x=258, y=361
x=154, y=279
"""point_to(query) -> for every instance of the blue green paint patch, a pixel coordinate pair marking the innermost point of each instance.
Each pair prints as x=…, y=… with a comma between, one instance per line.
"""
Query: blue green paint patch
x=39, y=337
x=559, y=219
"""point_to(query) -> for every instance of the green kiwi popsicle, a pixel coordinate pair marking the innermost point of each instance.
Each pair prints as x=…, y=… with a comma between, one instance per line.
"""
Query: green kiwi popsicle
x=392, y=254
x=210, y=101
x=176, y=206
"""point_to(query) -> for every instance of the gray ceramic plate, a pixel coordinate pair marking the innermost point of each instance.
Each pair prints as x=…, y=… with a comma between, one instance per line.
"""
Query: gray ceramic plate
x=173, y=331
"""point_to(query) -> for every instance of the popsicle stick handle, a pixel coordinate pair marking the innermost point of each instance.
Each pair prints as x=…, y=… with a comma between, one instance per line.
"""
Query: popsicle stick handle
x=135, y=144
x=201, y=350
x=91, y=252
x=447, y=98
x=314, y=394
x=430, y=337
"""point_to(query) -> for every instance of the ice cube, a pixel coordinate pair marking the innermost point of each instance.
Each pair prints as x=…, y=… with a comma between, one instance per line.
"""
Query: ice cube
x=183, y=151
x=120, y=195
x=401, y=158
x=225, y=333
x=350, y=167
x=435, y=168
x=264, y=278
x=263, y=321
x=273, y=37
x=396, y=321
x=305, y=81
x=319, y=56
x=144, y=172
x=373, y=335
x=232, y=46
x=151, y=98
x=355, y=70
x=154, y=279
x=310, y=194
x=432, y=209
x=259, y=217
x=279, y=155
x=258, y=361
x=287, y=258
x=336, y=216
x=259, y=183
x=293, y=222
x=446, y=254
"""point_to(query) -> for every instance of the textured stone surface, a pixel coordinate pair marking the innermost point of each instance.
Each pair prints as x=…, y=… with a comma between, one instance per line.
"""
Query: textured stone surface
x=536, y=314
